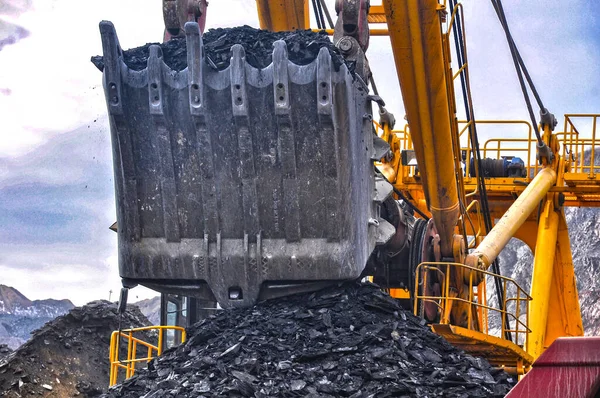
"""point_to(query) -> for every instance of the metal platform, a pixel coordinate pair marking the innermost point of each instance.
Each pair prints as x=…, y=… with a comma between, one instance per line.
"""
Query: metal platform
x=496, y=350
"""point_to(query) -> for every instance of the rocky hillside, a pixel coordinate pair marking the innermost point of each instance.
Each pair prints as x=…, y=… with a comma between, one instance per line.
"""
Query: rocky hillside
x=516, y=261
x=151, y=309
x=13, y=302
x=19, y=316
x=68, y=356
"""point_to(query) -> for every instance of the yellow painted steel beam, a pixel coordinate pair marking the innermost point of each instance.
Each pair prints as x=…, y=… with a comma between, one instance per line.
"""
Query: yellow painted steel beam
x=527, y=233
x=563, y=302
x=280, y=15
x=512, y=220
x=543, y=266
x=400, y=293
x=415, y=32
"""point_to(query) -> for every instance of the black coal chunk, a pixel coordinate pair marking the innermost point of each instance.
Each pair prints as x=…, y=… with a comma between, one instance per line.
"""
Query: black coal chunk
x=350, y=340
x=303, y=47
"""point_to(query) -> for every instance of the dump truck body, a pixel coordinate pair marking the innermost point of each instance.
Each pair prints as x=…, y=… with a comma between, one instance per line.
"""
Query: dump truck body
x=570, y=367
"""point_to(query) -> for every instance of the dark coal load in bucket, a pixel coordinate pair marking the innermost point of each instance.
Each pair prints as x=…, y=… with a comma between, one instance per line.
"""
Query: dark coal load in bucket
x=348, y=341
x=303, y=47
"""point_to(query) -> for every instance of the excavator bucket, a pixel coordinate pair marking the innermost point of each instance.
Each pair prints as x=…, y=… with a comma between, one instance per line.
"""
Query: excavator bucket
x=240, y=184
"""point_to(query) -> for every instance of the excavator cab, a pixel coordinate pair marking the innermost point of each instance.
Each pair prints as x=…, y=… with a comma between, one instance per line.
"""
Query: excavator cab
x=174, y=311
x=183, y=311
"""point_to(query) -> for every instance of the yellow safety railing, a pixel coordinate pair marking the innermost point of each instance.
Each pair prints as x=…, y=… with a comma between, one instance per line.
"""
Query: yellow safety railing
x=499, y=147
x=494, y=147
x=513, y=294
x=129, y=364
x=575, y=145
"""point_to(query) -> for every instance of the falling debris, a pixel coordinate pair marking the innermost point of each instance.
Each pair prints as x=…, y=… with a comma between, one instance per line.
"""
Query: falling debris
x=351, y=341
x=303, y=47
x=67, y=356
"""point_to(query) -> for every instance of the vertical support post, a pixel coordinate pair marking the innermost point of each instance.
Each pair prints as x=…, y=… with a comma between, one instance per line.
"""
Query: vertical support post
x=564, y=298
x=113, y=357
x=283, y=15
x=129, y=348
x=592, y=173
x=517, y=321
x=160, y=341
x=543, y=265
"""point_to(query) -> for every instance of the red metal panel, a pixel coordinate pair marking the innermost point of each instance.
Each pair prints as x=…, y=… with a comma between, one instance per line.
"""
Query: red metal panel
x=570, y=367
x=572, y=351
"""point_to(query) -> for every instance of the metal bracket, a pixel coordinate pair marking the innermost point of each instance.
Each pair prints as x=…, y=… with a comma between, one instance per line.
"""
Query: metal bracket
x=352, y=21
x=547, y=119
x=386, y=117
x=353, y=53
x=123, y=300
x=177, y=12
x=544, y=151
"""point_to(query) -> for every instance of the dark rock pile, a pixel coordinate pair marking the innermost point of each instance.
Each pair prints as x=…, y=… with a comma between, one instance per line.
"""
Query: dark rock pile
x=303, y=47
x=68, y=356
x=349, y=341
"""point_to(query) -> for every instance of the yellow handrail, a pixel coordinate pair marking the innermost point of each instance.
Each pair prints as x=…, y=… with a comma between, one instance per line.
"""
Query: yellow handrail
x=574, y=146
x=130, y=363
x=445, y=299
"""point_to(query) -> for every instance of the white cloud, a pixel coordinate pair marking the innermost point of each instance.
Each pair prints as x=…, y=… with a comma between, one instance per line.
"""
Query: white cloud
x=64, y=271
x=560, y=58
x=53, y=85
x=223, y=13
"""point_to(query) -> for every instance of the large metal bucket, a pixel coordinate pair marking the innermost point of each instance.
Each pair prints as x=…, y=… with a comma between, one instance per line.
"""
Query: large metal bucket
x=241, y=184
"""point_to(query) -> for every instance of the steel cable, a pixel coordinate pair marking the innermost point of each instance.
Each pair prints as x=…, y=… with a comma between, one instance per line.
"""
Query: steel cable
x=520, y=69
x=470, y=117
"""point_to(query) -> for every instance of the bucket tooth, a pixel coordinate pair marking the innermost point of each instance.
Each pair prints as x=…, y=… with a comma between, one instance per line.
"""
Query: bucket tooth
x=155, y=80
x=237, y=73
x=112, y=53
x=195, y=62
x=281, y=84
x=286, y=138
x=324, y=97
x=328, y=143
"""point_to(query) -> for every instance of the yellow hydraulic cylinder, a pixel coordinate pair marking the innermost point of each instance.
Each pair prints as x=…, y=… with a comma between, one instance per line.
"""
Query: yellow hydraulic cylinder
x=511, y=221
x=543, y=265
x=277, y=16
x=415, y=32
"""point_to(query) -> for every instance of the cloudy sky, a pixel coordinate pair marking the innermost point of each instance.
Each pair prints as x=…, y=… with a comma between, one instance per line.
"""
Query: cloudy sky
x=56, y=186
